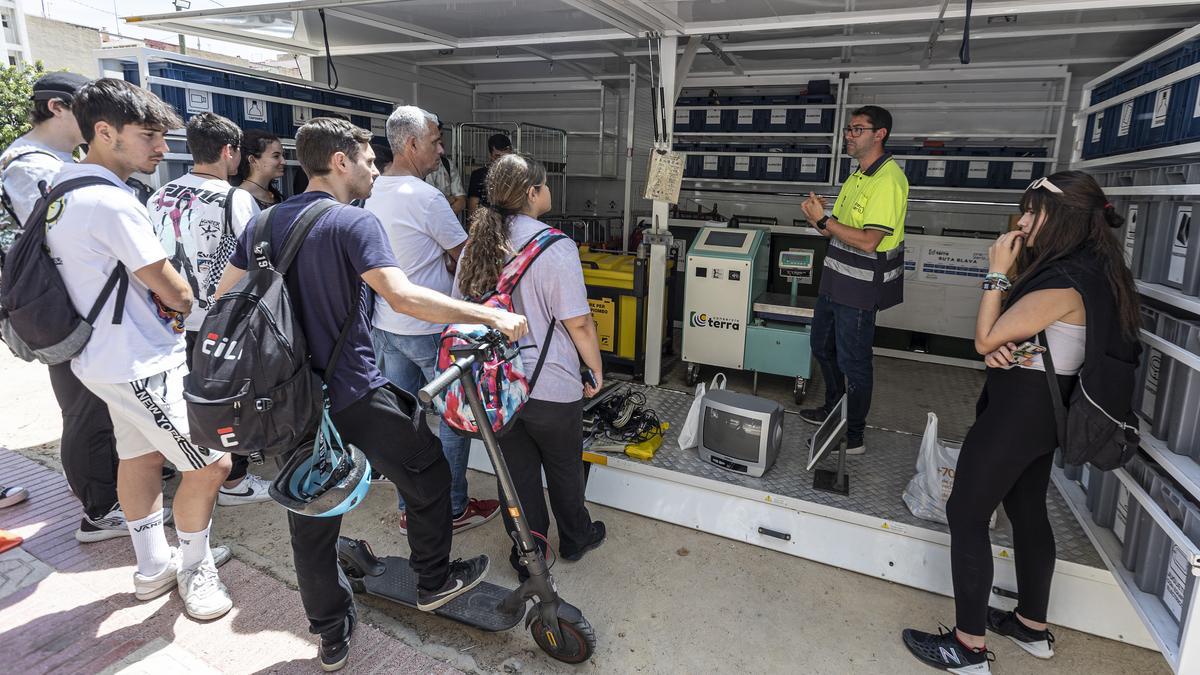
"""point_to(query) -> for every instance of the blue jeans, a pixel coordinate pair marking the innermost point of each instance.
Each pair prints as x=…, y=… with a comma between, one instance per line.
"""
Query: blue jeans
x=841, y=343
x=408, y=361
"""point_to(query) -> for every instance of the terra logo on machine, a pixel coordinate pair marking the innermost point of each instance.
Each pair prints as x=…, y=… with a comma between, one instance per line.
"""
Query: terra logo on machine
x=702, y=320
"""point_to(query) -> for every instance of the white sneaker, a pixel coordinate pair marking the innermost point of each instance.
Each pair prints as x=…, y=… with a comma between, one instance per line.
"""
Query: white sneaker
x=251, y=490
x=204, y=596
x=859, y=449
x=110, y=526
x=148, y=588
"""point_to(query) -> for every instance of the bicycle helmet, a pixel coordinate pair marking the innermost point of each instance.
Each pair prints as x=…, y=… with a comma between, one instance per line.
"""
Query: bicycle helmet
x=323, y=478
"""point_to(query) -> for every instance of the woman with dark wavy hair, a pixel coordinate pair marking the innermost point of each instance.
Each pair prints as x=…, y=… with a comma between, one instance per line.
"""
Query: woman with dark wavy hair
x=1073, y=287
x=262, y=162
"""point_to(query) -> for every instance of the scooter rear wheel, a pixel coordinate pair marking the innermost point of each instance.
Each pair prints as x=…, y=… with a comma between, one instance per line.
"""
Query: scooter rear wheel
x=579, y=640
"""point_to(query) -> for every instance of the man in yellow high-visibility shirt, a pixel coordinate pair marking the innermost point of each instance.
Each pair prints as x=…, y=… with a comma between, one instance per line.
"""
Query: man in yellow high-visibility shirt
x=864, y=269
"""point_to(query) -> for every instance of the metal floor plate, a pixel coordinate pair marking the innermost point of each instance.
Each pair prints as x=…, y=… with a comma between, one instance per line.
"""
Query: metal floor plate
x=877, y=479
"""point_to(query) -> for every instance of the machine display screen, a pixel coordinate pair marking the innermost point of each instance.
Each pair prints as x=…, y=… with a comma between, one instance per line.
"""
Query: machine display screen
x=795, y=260
x=726, y=239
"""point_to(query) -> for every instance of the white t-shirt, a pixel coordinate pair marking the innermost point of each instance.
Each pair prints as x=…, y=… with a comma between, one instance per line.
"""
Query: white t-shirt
x=21, y=174
x=552, y=287
x=95, y=228
x=188, y=215
x=421, y=227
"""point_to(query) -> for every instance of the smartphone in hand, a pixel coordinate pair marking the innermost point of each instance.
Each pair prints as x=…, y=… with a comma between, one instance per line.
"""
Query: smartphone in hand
x=588, y=377
x=1027, y=350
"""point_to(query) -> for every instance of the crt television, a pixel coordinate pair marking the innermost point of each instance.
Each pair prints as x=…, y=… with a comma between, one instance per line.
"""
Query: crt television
x=739, y=432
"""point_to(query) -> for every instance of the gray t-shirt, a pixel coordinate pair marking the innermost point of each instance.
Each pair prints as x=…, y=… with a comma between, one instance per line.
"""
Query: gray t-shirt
x=23, y=164
x=551, y=288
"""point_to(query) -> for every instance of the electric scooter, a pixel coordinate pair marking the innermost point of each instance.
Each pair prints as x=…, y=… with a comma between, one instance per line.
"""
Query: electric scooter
x=557, y=626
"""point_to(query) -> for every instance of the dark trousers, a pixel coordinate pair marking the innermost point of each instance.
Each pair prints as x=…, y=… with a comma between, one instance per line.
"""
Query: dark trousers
x=241, y=463
x=88, y=448
x=841, y=344
x=1006, y=458
x=549, y=436
x=389, y=427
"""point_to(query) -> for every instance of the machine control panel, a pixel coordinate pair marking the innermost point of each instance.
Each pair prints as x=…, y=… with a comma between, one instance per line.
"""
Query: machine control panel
x=797, y=264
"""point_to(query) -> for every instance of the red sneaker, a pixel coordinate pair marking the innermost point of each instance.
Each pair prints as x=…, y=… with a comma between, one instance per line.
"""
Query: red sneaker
x=478, y=512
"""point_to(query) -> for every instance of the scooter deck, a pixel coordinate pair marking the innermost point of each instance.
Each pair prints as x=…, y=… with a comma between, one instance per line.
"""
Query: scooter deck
x=477, y=607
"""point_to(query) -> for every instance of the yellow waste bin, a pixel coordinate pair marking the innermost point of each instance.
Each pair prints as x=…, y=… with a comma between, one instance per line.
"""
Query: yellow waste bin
x=617, y=285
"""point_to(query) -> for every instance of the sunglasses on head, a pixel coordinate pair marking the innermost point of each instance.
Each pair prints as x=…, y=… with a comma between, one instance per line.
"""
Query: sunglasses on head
x=1044, y=183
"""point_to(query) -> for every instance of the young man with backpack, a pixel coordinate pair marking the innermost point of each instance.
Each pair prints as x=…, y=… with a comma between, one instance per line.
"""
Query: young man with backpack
x=199, y=217
x=134, y=361
x=426, y=239
x=87, y=449
x=345, y=252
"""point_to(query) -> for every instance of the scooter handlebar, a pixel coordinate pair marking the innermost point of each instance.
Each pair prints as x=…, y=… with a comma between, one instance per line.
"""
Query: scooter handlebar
x=439, y=384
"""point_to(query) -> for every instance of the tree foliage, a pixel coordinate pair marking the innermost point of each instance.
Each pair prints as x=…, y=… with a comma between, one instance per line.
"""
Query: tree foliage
x=16, y=86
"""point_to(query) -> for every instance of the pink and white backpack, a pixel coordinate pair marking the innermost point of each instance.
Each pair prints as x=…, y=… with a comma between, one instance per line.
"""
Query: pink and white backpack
x=501, y=381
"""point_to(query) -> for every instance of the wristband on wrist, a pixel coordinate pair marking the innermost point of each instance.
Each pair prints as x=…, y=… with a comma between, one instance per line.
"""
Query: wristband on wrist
x=821, y=223
x=996, y=281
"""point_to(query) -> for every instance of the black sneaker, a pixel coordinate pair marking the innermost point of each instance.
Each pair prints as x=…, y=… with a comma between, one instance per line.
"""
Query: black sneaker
x=944, y=652
x=335, y=653
x=814, y=415
x=598, y=534
x=464, y=575
x=1040, y=643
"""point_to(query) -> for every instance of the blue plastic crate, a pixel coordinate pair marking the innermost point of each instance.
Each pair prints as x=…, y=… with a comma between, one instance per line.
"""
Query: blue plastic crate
x=1176, y=59
x=775, y=119
x=933, y=171
x=337, y=99
x=1166, y=107
x=813, y=169
x=711, y=164
x=1133, y=78
x=377, y=107
x=741, y=117
x=297, y=93
x=689, y=120
x=1188, y=124
x=1017, y=175
x=692, y=162
x=1104, y=91
x=176, y=97
x=775, y=167
x=1123, y=125
x=1097, y=133
x=975, y=173
x=253, y=85
x=189, y=74
x=741, y=166
x=130, y=72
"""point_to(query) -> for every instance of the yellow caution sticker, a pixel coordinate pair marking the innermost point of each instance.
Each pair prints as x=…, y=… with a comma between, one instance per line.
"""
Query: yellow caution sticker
x=604, y=315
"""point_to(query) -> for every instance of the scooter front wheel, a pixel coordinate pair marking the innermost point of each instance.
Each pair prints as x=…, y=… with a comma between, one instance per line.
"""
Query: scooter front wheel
x=579, y=640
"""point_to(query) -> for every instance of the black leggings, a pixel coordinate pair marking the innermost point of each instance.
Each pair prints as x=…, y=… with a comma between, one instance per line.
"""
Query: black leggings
x=548, y=437
x=1006, y=458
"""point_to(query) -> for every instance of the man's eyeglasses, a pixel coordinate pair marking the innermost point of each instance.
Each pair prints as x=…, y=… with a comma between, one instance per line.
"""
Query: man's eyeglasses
x=1044, y=183
x=856, y=131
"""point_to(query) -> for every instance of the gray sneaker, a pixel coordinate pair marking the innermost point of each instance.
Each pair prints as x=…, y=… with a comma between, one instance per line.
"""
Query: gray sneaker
x=204, y=596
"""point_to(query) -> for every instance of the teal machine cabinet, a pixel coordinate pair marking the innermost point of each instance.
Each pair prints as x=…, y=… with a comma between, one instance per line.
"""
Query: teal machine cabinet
x=730, y=321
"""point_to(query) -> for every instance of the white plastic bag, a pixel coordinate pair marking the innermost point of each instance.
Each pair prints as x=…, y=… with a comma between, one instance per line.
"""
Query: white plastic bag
x=928, y=491
x=689, y=435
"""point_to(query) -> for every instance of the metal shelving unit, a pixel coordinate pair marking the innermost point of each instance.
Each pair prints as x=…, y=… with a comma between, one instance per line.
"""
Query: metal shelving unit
x=1170, y=296
x=1182, y=656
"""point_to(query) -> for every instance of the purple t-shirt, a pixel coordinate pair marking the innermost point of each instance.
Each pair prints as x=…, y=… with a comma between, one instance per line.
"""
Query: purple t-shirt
x=344, y=243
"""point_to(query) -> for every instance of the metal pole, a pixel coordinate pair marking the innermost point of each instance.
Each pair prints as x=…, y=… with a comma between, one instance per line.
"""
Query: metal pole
x=179, y=7
x=629, y=118
x=660, y=233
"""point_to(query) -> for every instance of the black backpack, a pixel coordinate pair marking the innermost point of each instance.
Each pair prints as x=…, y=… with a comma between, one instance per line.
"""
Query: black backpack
x=38, y=321
x=1096, y=427
x=252, y=389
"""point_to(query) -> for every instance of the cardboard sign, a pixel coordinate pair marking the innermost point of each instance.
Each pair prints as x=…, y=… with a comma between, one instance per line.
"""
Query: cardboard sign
x=665, y=176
